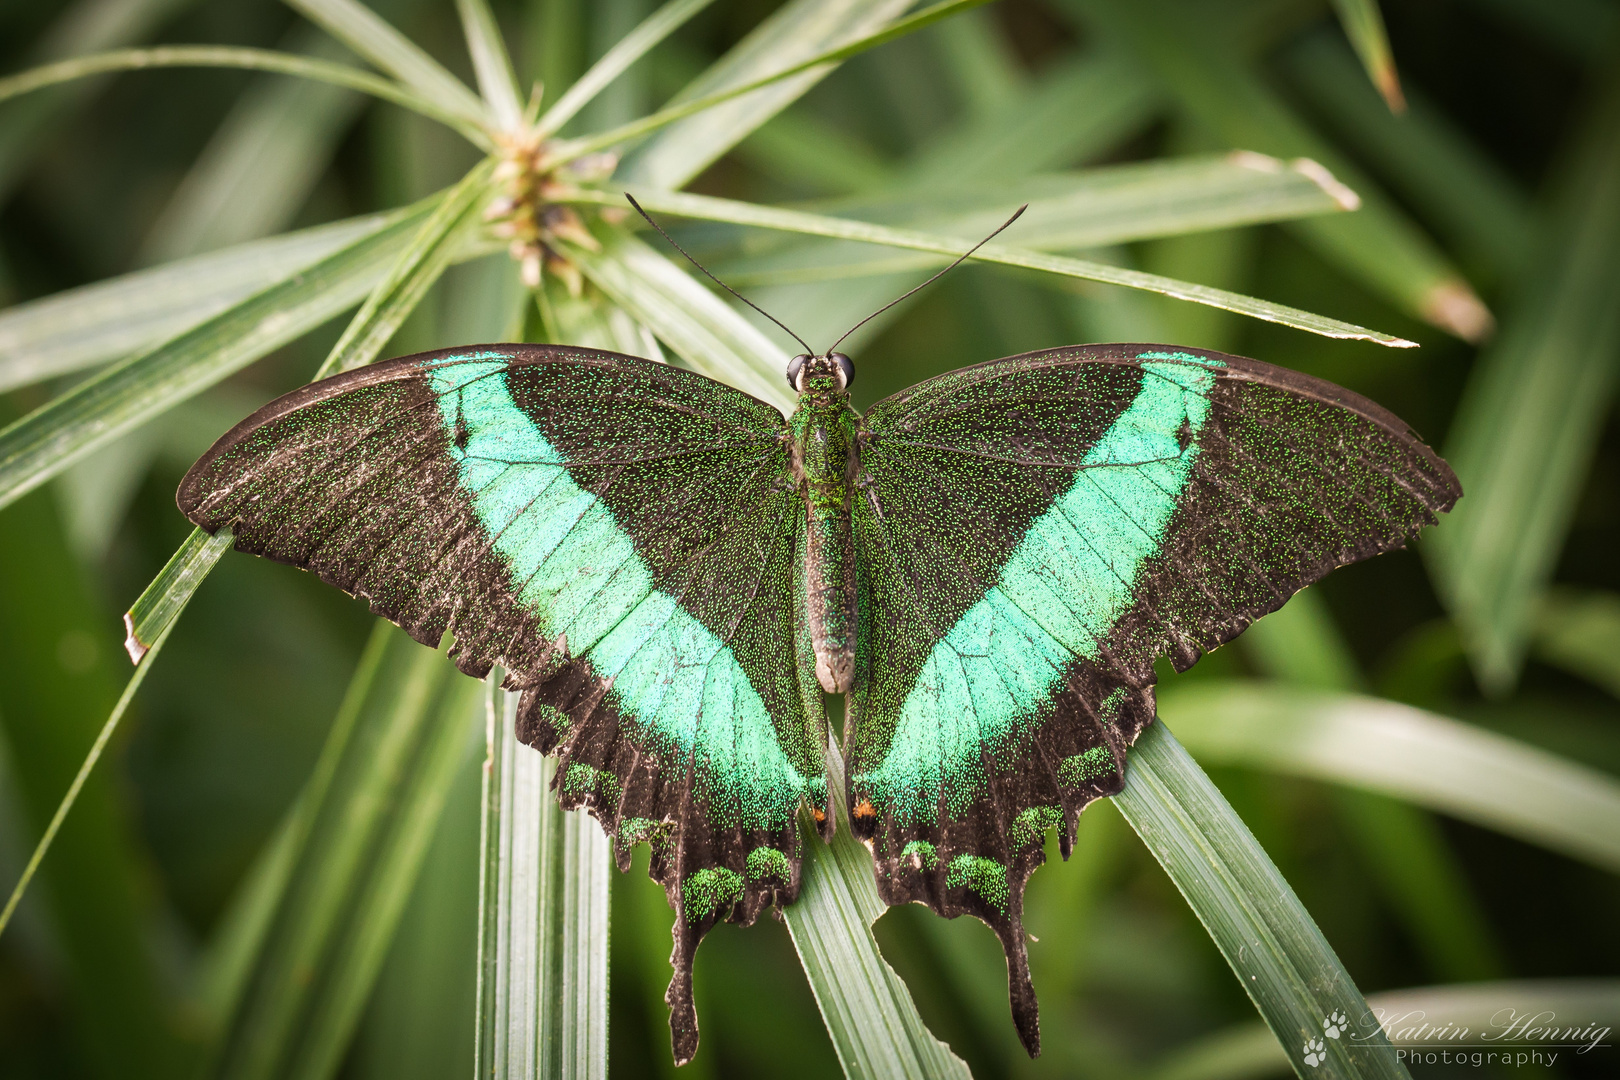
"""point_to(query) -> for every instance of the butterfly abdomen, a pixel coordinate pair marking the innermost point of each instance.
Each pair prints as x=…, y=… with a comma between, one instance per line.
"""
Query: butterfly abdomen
x=824, y=461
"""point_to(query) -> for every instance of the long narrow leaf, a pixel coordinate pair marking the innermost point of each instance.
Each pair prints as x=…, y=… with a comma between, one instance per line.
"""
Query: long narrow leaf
x=415, y=270
x=613, y=63
x=79, y=328
x=1411, y=862
x=155, y=610
x=1281, y=960
x=369, y=35
x=800, y=29
x=874, y=1024
x=406, y=725
x=1364, y=25
x=228, y=965
x=1078, y=112
x=1459, y=191
x=41, y=444
x=543, y=941
x=1197, y=57
x=380, y=901
x=1092, y=209
x=1407, y=753
x=250, y=59
x=496, y=81
x=713, y=209
x=591, y=144
x=262, y=162
x=1532, y=413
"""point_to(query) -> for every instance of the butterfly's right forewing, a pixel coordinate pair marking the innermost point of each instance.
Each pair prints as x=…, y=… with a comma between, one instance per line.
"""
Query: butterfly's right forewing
x=622, y=537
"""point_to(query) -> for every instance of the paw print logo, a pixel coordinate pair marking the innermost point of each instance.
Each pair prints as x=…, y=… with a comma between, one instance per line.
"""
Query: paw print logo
x=1315, y=1052
x=1334, y=1023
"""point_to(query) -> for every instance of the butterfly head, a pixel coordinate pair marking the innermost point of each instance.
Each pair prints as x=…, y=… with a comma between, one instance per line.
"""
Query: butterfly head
x=826, y=375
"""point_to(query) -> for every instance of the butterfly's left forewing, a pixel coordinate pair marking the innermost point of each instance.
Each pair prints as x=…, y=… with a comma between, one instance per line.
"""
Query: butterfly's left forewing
x=622, y=537
x=1031, y=534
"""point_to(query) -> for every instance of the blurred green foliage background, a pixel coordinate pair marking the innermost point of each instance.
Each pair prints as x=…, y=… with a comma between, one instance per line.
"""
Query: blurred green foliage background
x=1489, y=234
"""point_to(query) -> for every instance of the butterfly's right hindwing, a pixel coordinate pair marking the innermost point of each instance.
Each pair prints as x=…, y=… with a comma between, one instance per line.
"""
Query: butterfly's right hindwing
x=620, y=536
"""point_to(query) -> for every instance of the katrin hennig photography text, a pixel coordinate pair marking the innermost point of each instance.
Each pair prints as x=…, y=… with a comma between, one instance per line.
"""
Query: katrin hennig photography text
x=1510, y=1036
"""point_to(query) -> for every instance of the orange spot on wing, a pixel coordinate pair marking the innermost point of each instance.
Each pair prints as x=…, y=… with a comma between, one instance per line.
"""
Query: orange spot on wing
x=864, y=809
x=818, y=815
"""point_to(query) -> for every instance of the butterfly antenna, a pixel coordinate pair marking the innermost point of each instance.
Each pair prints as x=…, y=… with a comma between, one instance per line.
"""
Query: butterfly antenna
x=714, y=279
x=960, y=260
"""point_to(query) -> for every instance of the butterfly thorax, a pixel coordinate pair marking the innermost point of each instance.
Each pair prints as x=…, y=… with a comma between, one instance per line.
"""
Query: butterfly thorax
x=824, y=457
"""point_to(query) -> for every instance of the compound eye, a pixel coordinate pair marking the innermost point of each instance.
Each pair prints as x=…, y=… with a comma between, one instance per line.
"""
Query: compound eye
x=845, y=368
x=795, y=366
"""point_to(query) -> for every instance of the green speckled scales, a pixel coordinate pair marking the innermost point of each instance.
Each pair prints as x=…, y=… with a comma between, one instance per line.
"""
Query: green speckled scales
x=628, y=540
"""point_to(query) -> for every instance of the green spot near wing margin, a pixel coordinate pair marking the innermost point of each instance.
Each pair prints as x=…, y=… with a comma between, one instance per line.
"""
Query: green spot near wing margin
x=573, y=565
x=1066, y=584
x=984, y=876
x=765, y=862
x=710, y=891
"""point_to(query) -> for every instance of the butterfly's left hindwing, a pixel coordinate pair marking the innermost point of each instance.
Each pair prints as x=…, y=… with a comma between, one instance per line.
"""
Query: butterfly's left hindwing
x=1031, y=534
x=620, y=536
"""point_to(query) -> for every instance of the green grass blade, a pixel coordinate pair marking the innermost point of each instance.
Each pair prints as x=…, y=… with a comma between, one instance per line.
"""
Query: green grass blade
x=262, y=162
x=798, y=30
x=496, y=80
x=617, y=60
x=1251, y=1051
x=1580, y=632
x=155, y=610
x=1081, y=110
x=1364, y=25
x=80, y=328
x=575, y=148
x=435, y=244
x=218, y=56
x=712, y=209
x=1454, y=185
x=874, y=1024
x=689, y=318
x=41, y=444
x=1281, y=959
x=1421, y=878
x=1196, y=57
x=1408, y=754
x=544, y=939
x=1528, y=424
x=370, y=36
x=229, y=962
x=379, y=903
x=222, y=970
x=372, y=807
x=1097, y=208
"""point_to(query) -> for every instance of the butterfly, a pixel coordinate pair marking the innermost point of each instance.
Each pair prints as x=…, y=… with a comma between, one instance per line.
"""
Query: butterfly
x=671, y=574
